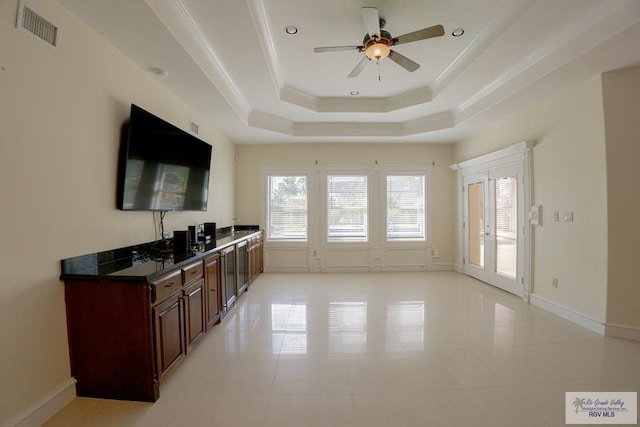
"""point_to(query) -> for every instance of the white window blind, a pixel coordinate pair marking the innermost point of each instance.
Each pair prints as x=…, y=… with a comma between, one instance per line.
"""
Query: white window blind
x=347, y=207
x=405, y=207
x=506, y=207
x=287, y=207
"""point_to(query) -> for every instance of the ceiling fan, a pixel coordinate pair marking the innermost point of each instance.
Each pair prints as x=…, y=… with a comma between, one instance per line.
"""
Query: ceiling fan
x=377, y=43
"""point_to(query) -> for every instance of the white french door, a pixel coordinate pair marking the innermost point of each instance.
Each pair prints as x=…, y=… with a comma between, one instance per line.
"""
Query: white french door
x=493, y=227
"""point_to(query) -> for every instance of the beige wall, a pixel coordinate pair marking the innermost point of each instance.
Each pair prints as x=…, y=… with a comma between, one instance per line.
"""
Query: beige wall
x=60, y=117
x=251, y=157
x=621, y=90
x=569, y=175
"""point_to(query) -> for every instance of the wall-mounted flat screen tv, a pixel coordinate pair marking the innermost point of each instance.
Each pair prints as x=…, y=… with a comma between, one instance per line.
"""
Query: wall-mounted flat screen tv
x=161, y=167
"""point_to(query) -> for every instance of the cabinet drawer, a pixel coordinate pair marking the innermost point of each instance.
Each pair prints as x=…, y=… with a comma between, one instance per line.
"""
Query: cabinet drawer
x=193, y=272
x=167, y=286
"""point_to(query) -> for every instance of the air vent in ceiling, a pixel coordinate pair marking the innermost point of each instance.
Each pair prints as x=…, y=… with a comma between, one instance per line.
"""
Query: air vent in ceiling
x=38, y=26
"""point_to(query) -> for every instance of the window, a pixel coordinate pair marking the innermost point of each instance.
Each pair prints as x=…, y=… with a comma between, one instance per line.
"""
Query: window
x=287, y=207
x=347, y=208
x=405, y=207
x=345, y=205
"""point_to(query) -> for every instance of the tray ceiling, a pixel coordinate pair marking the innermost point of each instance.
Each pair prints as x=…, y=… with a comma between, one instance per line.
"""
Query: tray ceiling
x=236, y=65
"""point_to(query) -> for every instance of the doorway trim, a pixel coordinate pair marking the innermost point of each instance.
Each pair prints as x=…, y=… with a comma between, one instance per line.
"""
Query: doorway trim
x=516, y=154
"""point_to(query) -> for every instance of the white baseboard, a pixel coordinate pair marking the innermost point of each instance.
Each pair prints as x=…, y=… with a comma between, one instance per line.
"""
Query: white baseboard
x=46, y=407
x=283, y=269
x=401, y=268
x=622, y=331
x=441, y=267
x=572, y=315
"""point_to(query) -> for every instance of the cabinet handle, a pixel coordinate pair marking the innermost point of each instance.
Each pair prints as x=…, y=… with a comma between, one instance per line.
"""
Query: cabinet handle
x=170, y=285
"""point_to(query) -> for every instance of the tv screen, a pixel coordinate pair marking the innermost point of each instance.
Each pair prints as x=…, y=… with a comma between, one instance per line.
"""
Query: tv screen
x=162, y=168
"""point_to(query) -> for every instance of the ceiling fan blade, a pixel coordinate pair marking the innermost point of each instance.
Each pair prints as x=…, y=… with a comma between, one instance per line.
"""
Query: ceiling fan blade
x=425, y=33
x=335, y=48
x=371, y=20
x=356, y=71
x=403, y=61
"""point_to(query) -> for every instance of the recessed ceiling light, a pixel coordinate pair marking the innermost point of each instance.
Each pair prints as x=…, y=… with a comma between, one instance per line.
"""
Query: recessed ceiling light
x=291, y=30
x=159, y=72
x=355, y=92
x=457, y=32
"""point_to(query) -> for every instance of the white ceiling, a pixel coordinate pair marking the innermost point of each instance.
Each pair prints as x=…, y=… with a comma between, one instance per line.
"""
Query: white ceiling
x=233, y=62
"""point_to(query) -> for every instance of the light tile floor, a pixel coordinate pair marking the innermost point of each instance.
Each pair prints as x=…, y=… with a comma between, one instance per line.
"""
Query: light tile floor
x=380, y=349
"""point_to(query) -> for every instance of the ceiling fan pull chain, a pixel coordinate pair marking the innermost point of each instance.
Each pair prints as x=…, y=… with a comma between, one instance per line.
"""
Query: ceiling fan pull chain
x=378, y=62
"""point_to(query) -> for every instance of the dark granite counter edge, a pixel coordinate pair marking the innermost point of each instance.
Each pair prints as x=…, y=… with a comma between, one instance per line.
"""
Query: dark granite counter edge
x=108, y=278
x=241, y=233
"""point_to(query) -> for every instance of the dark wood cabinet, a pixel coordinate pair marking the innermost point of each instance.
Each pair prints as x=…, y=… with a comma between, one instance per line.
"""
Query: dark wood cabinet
x=130, y=322
x=111, y=339
x=195, y=312
x=259, y=254
x=212, y=286
x=179, y=314
x=194, y=295
x=168, y=318
x=168, y=321
x=256, y=263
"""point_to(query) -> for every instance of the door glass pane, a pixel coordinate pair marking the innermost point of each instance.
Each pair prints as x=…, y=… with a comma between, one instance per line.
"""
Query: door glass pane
x=475, y=193
x=506, y=225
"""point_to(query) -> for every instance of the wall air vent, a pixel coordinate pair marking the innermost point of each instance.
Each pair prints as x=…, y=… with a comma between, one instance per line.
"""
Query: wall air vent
x=195, y=129
x=38, y=26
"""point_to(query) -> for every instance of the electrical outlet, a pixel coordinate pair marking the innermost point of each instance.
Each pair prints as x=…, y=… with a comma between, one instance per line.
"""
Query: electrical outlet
x=435, y=252
x=554, y=283
x=568, y=217
x=556, y=216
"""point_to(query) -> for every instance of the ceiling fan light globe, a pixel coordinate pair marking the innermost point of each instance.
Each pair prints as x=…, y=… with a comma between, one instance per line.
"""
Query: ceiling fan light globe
x=377, y=51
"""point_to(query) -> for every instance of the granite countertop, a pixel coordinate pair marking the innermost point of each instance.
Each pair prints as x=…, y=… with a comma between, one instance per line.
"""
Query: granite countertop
x=145, y=262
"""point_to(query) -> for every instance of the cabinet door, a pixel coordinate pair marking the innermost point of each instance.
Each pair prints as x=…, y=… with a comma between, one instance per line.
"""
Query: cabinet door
x=255, y=257
x=168, y=319
x=228, y=276
x=242, y=267
x=195, y=311
x=212, y=286
x=259, y=255
x=251, y=259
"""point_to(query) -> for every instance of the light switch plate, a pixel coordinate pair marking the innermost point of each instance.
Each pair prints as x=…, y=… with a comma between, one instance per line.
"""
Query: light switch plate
x=535, y=215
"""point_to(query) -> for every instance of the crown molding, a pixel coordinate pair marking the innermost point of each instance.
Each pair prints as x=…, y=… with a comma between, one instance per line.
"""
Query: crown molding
x=600, y=24
x=266, y=121
x=356, y=105
x=175, y=15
